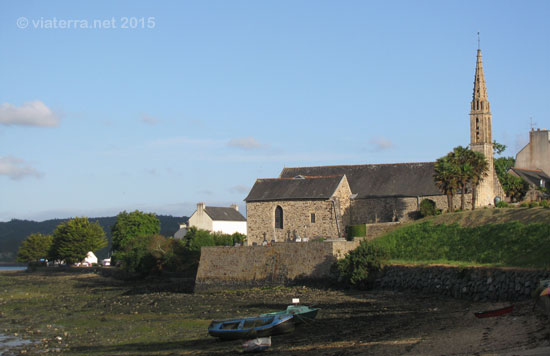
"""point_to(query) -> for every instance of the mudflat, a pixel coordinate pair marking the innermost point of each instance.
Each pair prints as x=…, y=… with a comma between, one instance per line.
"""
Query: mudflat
x=83, y=313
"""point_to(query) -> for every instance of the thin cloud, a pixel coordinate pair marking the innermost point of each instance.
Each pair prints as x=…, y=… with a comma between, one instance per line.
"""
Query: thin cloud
x=181, y=141
x=150, y=120
x=241, y=189
x=32, y=113
x=16, y=168
x=381, y=143
x=245, y=143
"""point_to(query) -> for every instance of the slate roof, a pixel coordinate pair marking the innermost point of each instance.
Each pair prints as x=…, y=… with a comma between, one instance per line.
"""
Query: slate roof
x=379, y=180
x=223, y=214
x=309, y=188
x=532, y=176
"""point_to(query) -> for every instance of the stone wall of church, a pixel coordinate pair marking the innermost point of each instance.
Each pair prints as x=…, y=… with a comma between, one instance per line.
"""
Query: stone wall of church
x=297, y=220
x=304, y=218
x=392, y=209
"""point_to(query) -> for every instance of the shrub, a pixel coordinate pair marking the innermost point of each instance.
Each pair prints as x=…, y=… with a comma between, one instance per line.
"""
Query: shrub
x=533, y=204
x=545, y=204
x=502, y=204
x=355, y=231
x=524, y=204
x=360, y=266
x=427, y=207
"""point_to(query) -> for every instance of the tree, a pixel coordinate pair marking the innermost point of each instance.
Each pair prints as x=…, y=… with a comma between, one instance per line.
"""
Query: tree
x=460, y=156
x=34, y=248
x=128, y=226
x=73, y=239
x=514, y=187
x=457, y=170
x=498, y=148
x=446, y=178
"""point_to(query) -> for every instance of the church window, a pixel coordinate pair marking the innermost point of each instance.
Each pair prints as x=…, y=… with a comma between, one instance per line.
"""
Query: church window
x=313, y=218
x=278, y=217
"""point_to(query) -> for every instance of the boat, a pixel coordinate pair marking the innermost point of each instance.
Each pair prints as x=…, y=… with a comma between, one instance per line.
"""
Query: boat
x=252, y=327
x=302, y=313
x=495, y=312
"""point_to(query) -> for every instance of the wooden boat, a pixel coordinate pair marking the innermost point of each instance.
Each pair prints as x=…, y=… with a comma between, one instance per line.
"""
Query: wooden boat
x=496, y=312
x=301, y=313
x=253, y=327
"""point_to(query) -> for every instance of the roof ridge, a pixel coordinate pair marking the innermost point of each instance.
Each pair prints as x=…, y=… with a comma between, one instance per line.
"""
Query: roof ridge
x=360, y=165
x=306, y=177
x=528, y=169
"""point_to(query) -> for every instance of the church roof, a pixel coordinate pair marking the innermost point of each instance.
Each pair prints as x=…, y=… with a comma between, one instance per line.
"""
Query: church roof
x=294, y=188
x=379, y=180
x=223, y=214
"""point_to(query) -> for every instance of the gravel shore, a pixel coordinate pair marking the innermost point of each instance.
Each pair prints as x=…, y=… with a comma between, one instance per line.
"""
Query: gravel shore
x=82, y=313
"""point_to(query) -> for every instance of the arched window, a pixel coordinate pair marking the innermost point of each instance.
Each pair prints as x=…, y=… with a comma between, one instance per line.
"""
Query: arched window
x=278, y=217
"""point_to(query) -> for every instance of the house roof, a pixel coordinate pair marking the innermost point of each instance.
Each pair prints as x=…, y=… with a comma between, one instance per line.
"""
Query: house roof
x=223, y=214
x=304, y=187
x=379, y=180
x=531, y=176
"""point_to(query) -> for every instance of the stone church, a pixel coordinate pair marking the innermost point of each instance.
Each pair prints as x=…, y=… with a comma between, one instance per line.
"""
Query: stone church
x=311, y=202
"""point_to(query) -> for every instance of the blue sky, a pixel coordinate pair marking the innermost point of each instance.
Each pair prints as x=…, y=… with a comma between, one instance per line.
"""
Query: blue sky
x=193, y=101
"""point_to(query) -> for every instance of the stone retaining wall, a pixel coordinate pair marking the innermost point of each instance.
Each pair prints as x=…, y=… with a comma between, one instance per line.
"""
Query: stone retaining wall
x=279, y=264
x=475, y=283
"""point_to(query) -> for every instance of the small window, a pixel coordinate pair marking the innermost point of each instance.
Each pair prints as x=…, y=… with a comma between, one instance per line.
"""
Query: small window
x=313, y=218
x=278, y=217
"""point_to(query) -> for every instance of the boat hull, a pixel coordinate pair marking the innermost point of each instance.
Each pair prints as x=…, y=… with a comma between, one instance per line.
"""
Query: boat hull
x=496, y=312
x=302, y=314
x=250, y=328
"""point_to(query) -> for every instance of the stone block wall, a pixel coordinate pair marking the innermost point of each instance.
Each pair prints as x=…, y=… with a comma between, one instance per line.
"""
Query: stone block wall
x=296, y=220
x=392, y=209
x=279, y=264
x=474, y=283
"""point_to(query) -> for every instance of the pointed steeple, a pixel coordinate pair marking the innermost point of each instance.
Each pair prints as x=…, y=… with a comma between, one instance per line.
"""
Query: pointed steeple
x=481, y=138
x=480, y=111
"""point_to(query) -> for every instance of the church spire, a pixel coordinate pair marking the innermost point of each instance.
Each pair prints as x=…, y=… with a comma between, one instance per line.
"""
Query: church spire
x=481, y=138
x=480, y=112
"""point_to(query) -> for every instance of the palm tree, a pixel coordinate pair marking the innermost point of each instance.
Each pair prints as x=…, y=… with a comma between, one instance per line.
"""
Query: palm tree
x=446, y=178
x=461, y=157
x=480, y=166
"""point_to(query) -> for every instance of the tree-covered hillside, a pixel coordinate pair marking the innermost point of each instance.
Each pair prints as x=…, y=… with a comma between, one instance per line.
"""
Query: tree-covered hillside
x=13, y=232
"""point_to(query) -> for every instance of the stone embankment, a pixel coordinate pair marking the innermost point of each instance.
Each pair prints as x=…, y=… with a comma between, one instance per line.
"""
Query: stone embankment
x=475, y=283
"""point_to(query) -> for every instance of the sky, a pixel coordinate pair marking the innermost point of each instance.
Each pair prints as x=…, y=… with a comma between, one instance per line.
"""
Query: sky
x=155, y=106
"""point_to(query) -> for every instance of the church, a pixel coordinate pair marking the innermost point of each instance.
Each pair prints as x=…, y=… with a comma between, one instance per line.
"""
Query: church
x=313, y=202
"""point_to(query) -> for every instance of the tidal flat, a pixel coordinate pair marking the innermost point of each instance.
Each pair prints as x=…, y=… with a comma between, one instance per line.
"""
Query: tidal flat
x=81, y=312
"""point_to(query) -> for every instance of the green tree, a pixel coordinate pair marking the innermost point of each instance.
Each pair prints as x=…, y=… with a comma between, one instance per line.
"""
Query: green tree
x=128, y=226
x=446, y=178
x=460, y=156
x=498, y=148
x=514, y=187
x=73, y=239
x=360, y=266
x=34, y=248
x=457, y=170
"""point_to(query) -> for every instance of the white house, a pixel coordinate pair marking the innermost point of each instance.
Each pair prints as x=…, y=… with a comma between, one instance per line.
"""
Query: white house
x=218, y=219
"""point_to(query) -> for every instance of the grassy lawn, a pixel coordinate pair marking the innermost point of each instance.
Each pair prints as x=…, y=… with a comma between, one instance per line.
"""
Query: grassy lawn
x=514, y=237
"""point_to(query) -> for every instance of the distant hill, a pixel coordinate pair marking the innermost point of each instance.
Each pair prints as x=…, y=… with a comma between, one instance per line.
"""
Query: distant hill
x=13, y=232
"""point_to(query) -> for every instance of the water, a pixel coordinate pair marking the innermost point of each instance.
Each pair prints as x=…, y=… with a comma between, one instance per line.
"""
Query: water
x=8, y=343
x=13, y=268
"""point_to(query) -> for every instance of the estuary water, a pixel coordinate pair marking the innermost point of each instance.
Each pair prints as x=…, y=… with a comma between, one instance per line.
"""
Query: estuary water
x=13, y=268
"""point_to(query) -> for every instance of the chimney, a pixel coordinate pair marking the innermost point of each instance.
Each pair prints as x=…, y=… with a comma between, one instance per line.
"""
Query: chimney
x=200, y=207
x=235, y=206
